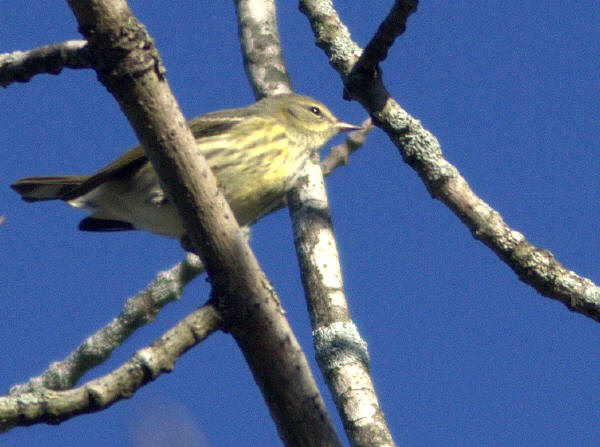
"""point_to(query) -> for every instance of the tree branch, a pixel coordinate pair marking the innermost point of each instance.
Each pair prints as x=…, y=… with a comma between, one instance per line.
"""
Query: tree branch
x=341, y=353
x=21, y=66
x=339, y=155
x=421, y=150
x=138, y=311
x=128, y=64
x=261, y=47
x=146, y=365
x=392, y=26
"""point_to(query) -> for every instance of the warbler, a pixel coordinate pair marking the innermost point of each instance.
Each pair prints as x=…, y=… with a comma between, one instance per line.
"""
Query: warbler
x=256, y=153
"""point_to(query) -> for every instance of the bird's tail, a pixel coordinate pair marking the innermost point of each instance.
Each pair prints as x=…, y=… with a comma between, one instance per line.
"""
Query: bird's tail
x=33, y=189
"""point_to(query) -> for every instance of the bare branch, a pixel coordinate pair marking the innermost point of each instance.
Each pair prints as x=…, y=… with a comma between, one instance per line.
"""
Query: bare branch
x=20, y=66
x=328, y=28
x=338, y=155
x=340, y=351
x=421, y=150
x=138, y=311
x=261, y=47
x=146, y=365
x=391, y=27
x=129, y=66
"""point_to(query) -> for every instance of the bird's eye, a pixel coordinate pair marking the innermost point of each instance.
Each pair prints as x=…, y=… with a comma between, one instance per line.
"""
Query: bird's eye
x=315, y=110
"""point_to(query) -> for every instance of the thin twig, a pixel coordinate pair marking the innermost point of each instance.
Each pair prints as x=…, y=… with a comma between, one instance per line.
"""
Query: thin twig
x=137, y=312
x=392, y=26
x=144, y=366
x=339, y=155
x=21, y=66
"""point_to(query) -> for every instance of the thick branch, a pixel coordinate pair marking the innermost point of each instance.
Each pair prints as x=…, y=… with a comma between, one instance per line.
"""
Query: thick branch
x=340, y=351
x=21, y=66
x=129, y=66
x=421, y=150
x=146, y=365
x=261, y=47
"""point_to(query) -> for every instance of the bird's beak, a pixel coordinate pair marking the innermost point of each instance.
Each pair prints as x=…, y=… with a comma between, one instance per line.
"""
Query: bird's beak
x=344, y=127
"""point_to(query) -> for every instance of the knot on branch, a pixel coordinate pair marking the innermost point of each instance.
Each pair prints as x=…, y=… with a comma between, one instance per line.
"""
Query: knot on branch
x=123, y=54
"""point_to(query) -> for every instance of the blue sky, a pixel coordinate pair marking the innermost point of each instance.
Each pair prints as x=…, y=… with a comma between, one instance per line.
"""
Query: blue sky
x=462, y=353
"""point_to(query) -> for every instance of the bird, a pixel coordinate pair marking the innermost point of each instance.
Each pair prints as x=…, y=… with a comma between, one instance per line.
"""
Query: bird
x=256, y=152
